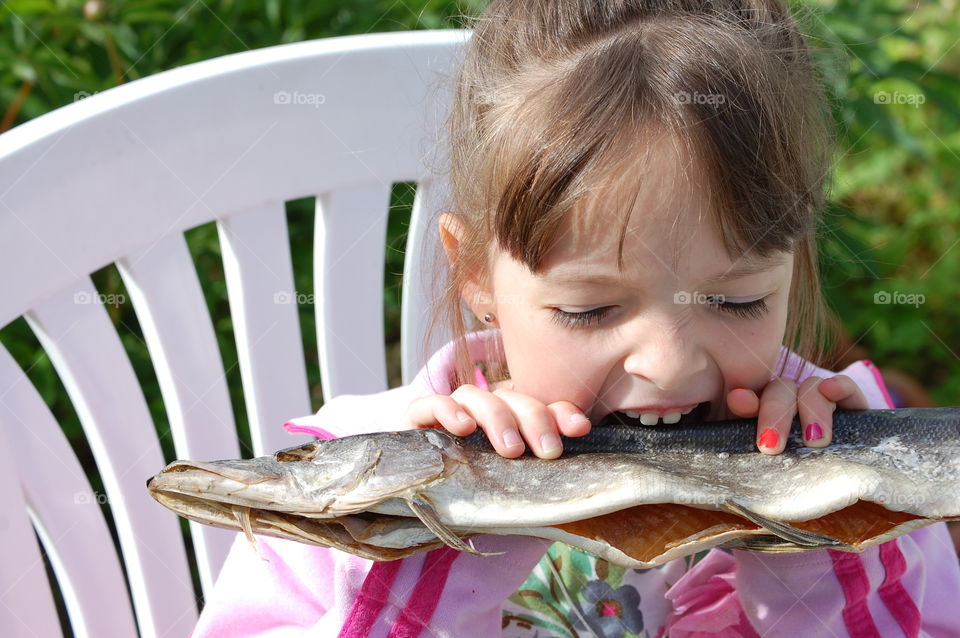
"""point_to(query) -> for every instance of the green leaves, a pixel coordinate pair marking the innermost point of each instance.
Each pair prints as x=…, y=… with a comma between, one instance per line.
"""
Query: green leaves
x=891, y=228
x=63, y=47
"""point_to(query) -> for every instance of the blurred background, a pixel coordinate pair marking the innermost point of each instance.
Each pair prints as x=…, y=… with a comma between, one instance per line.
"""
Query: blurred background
x=889, y=241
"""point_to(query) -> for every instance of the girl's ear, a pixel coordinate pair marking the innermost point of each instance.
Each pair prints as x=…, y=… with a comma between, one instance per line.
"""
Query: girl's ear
x=475, y=289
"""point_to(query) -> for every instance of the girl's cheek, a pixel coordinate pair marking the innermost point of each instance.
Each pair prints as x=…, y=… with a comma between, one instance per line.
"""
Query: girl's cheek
x=558, y=372
x=749, y=358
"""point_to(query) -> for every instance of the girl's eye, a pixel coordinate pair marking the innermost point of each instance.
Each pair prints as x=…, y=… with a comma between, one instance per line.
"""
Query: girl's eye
x=579, y=319
x=743, y=309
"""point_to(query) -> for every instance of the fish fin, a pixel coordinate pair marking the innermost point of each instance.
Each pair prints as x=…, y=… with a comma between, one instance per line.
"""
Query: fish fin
x=428, y=516
x=787, y=532
x=243, y=516
x=766, y=544
x=304, y=452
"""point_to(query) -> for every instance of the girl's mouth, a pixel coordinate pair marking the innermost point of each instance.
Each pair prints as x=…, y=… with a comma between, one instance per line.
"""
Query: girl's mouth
x=699, y=414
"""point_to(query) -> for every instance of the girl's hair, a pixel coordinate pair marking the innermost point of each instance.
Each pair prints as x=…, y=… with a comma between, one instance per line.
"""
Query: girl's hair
x=553, y=95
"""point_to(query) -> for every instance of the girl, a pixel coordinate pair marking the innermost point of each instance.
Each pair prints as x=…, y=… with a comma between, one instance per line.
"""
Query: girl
x=636, y=187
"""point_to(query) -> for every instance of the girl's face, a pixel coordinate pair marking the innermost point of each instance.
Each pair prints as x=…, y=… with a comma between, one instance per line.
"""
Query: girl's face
x=682, y=324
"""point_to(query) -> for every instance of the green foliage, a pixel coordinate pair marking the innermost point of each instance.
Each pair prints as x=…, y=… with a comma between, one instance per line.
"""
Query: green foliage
x=69, y=48
x=890, y=233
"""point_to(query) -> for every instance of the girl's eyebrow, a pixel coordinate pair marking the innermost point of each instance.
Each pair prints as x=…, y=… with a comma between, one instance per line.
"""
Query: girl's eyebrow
x=597, y=279
x=745, y=267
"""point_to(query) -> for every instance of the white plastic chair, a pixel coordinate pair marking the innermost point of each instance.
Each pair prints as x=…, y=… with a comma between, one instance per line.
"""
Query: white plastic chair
x=117, y=178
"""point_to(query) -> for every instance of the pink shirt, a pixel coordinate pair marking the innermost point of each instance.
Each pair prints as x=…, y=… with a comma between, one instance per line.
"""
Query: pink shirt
x=908, y=586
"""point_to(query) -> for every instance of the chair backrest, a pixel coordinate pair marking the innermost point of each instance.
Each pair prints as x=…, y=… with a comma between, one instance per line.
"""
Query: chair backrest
x=117, y=178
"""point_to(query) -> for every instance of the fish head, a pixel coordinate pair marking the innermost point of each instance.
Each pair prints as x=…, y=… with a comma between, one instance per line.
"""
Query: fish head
x=322, y=479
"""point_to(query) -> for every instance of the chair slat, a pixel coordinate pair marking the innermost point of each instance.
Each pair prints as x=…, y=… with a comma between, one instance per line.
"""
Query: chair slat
x=28, y=608
x=211, y=139
x=351, y=231
x=420, y=278
x=259, y=274
x=166, y=294
x=77, y=335
x=66, y=514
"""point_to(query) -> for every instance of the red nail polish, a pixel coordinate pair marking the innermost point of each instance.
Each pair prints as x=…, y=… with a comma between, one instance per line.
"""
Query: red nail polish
x=769, y=438
x=814, y=432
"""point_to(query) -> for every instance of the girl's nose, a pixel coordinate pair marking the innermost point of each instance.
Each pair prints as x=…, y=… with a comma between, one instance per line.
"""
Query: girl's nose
x=666, y=356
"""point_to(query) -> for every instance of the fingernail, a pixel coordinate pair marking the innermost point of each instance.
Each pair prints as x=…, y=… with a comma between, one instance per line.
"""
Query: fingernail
x=814, y=432
x=550, y=443
x=769, y=439
x=577, y=419
x=511, y=438
x=463, y=416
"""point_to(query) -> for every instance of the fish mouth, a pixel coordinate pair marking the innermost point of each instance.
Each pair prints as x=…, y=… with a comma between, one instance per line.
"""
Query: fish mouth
x=699, y=414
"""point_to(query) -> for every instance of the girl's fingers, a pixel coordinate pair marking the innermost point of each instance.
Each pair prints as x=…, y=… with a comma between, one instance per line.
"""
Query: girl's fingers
x=570, y=419
x=816, y=413
x=844, y=392
x=508, y=418
x=778, y=406
x=495, y=416
x=743, y=402
x=537, y=424
x=442, y=410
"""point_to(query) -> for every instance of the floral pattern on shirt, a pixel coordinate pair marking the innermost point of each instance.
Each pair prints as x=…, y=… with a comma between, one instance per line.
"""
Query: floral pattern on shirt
x=573, y=594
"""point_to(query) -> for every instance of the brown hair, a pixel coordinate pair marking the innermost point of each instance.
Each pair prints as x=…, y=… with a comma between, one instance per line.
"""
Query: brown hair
x=551, y=94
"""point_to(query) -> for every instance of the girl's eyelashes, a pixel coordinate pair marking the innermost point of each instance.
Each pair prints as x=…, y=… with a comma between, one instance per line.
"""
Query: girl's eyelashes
x=752, y=309
x=744, y=309
x=579, y=319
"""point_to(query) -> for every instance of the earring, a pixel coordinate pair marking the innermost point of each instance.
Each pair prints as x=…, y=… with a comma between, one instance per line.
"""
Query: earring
x=489, y=318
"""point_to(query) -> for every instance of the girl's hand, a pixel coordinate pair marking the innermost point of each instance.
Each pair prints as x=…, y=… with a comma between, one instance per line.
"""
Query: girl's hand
x=781, y=399
x=509, y=418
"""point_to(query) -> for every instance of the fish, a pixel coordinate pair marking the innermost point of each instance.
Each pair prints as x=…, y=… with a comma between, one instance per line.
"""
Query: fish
x=637, y=496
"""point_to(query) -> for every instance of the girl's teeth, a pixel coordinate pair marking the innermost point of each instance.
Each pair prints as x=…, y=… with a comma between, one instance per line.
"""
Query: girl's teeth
x=689, y=410
x=649, y=418
x=652, y=418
